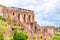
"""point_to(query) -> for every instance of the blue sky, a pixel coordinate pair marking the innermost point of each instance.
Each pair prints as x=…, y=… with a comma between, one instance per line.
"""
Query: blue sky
x=47, y=12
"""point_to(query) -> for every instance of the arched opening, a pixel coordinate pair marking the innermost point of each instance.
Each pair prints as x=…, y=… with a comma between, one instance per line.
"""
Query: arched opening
x=24, y=17
x=32, y=17
x=13, y=14
x=35, y=29
x=19, y=17
x=12, y=29
x=29, y=18
x=45, y=30
x=31, y=25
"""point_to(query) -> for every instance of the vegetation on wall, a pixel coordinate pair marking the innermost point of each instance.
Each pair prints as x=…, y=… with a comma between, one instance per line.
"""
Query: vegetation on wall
x=34, y=37
x=1, y=36
x=41, y=38
x=3, y=19
x=56, y=37
x=4, y=29
x=20, y=36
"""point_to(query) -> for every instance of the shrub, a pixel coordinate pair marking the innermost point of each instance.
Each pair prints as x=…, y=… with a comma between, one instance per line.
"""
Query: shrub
x=56, y=37
x=3, y=19
x=20, y=36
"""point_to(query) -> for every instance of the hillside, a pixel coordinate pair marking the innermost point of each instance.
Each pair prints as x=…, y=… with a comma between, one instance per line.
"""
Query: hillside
x=6, y=27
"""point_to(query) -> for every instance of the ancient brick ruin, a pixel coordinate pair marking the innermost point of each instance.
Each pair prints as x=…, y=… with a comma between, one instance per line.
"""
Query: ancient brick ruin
x=26, y=18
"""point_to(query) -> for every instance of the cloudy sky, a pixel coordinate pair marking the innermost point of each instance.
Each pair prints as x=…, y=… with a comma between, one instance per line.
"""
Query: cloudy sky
x=47, y=12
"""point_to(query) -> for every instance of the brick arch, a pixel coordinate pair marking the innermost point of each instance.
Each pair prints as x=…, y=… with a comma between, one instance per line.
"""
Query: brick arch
x=35, y=29
x=31, y=25
x=29, y=18
x=13, y=13
x=24, y=17
x=33, y=18
x=19, y=17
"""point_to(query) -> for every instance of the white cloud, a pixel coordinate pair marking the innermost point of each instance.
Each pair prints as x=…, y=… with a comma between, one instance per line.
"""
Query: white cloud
x=9, y=2
x=44, y=22
x=48, y=11
x=49, y=5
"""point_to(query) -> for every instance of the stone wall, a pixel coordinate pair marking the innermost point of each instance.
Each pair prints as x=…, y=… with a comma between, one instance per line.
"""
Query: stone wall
x=26, y=18
x=19, y=15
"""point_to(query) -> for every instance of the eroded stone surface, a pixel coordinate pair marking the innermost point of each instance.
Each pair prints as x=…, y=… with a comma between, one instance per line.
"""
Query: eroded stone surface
x=26, y=18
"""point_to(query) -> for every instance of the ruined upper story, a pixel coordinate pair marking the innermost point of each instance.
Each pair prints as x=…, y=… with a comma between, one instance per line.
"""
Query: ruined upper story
x=25, y=16
x=17, y=14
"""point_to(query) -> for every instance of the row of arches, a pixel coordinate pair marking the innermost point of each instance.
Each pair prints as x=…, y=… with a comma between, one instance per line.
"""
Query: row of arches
x=29, y=18
x=22, y=17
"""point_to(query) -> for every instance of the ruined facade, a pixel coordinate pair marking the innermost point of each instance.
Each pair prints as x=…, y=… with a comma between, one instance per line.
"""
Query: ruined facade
x=26, y=18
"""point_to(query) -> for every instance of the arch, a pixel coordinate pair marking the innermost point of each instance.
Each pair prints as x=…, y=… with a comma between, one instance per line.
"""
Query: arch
x=29, y=18
x=13, y=14
x=19, y=17
x=32, y=17
x=12, y=29
x=35, y=29
x=24, y=17
x=31, y=25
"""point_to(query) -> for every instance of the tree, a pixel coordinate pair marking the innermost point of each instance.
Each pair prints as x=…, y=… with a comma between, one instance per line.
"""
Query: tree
x=56, y=37
x=1, y=36
x=20, y=36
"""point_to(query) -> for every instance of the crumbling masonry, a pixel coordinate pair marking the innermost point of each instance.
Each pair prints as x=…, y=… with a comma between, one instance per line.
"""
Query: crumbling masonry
x=26, y=18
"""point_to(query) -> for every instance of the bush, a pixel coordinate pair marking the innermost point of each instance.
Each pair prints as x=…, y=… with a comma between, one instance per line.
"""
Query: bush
x=20, y=36
x=3, y=19
x=56, y=37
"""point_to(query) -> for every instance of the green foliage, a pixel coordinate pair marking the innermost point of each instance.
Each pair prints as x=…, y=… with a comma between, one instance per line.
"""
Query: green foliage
x=34, y=37
x=8, y=38
x=15, y=22
x=1, y=36
x=56, y=37
x=41, y=38
x=3, y=19
x=22, y=29
x=9, y=21
x=4, y=28
x=20, y=36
